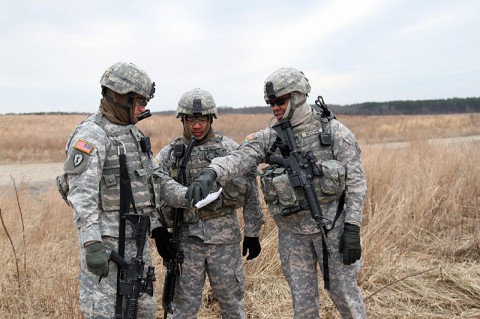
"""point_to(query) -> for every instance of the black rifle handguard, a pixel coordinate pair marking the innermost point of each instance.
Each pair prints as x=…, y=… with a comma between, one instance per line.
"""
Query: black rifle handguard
x=174, y=266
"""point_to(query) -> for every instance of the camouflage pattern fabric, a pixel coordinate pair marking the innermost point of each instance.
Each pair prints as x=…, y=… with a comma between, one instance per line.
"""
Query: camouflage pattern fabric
x=186, y=103
x=97, y=299
x=224, y=267
x=92, y=172
x=345, y=150
x=124, y=78
x=211, y=245
x=284, y=81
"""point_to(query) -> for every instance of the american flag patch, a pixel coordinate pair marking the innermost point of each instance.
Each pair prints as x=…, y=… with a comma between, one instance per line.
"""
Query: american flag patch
x=251, y=136
x=83, y=146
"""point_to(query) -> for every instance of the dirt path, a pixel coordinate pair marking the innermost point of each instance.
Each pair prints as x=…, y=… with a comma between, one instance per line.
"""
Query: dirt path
x=44, y=173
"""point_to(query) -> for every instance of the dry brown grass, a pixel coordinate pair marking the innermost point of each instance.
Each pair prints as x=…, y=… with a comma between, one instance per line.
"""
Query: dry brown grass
x=42, y=138
x=421, y=229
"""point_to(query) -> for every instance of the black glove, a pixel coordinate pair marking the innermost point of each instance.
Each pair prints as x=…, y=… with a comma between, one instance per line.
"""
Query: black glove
x=350, y=244
x=97, y=259
x=164, y=245
x=252, y=244
x=201, y=187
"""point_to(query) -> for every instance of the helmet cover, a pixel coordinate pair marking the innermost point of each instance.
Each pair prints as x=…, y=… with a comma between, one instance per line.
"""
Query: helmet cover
x=196, y=102
x=124, y=78
x=285, y=81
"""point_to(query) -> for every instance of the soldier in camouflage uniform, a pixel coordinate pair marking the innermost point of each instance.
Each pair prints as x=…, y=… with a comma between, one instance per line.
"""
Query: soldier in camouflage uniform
x=339, y=184
x=91, y=186
x=210, y=237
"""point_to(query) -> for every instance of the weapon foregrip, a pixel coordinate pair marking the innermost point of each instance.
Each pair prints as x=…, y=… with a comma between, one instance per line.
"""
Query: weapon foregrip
x=119, y=260
x=277, y=160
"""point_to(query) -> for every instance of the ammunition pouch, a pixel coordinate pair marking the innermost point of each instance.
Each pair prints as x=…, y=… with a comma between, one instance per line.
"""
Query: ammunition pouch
x=328, y=183
x=329, y=180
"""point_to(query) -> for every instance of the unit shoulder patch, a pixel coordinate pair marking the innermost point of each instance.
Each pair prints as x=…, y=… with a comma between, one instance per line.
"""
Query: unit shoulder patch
x=84, y=146
x=76, y=162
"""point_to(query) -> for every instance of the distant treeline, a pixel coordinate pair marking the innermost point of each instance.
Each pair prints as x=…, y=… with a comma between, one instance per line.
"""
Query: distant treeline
x=441, y=106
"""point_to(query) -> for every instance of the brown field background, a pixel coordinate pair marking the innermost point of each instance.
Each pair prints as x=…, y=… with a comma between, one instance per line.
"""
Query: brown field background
x=421, y=227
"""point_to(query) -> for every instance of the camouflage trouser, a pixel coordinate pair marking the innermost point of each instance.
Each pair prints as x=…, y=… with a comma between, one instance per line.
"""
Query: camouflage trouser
x=97, y=299
x=224, y=266
x=299, y=255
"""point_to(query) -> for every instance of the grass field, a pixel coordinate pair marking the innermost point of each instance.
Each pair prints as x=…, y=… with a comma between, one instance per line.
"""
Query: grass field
x=421, y=227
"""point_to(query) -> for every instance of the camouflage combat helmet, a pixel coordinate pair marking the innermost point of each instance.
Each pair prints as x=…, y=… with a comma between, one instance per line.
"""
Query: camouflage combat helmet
x=196, y=102
x=284, y=81
x=124, y=78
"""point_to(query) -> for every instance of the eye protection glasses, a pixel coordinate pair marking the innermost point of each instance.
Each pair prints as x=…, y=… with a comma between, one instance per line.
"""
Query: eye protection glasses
x=142, y=101
x=279, y=101
x=196, y=119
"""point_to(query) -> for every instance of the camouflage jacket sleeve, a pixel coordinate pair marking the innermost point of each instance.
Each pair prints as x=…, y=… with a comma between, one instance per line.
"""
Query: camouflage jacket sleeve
x=171, y=192
x=85, y=157
x=251, y=152
x=347, y=151
x=164, y=158
x=252, y=210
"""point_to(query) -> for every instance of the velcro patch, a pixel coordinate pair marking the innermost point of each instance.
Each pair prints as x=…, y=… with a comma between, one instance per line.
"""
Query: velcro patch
x=83, y=146
x=252, y=136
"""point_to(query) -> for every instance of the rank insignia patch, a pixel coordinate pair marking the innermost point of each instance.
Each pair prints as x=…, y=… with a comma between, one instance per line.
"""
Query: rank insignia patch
x=83, y=146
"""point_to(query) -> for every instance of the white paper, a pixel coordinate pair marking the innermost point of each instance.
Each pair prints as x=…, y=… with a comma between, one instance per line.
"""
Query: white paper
x=207, y=200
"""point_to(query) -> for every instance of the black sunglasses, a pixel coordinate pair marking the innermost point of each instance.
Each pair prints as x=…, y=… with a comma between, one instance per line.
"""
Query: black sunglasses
x=142, y=101
x=280, y=101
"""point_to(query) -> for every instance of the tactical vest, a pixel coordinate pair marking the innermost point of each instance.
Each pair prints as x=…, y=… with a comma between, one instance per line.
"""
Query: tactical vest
x=328, y=174
x=140, y=167
x=233, y=193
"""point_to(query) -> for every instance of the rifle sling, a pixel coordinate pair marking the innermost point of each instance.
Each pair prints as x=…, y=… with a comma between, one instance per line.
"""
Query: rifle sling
x=126, y=197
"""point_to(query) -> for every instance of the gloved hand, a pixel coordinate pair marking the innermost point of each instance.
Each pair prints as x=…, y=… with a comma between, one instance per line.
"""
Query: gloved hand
x=164, y=245
x=252, y=244
x=350, y=244
x=201, y=187
x=97, y=259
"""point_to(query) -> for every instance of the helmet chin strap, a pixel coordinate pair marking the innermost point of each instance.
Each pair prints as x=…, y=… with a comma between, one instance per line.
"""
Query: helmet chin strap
x=293, y=104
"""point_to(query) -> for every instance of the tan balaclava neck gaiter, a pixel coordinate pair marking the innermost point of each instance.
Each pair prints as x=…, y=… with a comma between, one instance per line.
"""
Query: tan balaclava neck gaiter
x=114, y=107
x=205, y=138
x=300, y=113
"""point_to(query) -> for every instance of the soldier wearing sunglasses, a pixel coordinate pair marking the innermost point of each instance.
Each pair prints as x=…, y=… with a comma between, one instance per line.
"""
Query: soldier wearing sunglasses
x=330, y=151
x=210, y=236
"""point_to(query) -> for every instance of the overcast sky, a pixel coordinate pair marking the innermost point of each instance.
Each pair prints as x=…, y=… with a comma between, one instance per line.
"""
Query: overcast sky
x=53, y=53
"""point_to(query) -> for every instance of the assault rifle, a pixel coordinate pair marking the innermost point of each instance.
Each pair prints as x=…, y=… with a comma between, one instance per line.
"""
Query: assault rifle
x=174, y=266
x=131, y=283
x=300, y=173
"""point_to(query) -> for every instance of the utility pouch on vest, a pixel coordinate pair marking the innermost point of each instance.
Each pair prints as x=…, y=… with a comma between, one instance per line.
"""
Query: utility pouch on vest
x=285, y=192
x=190, y=215
x=331, y=181
x=276, y=186
x=266, y=183
x=234, y=192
